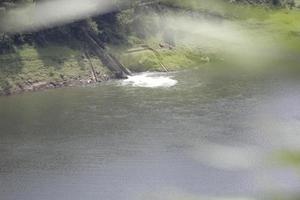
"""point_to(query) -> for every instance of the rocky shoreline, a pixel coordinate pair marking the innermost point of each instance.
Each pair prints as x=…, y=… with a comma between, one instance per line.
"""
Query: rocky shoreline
x=30, y=86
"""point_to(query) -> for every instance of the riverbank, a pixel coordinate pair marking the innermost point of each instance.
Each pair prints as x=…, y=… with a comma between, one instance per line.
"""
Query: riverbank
x=34, y=68
x=37, y=68
x=31, y=67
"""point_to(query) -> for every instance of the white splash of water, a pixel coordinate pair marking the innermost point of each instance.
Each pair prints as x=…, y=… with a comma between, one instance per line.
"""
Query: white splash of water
x=150, y=80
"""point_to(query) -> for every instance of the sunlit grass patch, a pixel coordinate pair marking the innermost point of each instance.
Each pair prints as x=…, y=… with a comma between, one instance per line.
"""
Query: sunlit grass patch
x=176, y=59
x=221, y=8
x=285, y=25
x=289, y=158
x=280, y=25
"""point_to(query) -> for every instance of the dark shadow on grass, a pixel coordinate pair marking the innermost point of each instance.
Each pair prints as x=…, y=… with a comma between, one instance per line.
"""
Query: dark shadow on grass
x=10, y=66
x=54, y=55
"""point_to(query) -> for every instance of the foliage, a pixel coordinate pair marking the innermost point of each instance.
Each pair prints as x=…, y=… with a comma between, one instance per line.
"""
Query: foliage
x=290, y=158
x=57, y=52
x=181, y=58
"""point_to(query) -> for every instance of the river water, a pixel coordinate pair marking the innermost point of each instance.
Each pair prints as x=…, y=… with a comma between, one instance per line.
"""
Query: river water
x=191, y=135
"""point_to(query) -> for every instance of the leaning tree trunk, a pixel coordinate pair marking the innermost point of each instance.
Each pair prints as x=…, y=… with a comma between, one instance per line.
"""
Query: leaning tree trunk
x=107, y=59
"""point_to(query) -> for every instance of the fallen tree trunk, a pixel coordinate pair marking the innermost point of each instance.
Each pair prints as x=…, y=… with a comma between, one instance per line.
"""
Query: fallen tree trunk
x=92, y=67
x=106, y=58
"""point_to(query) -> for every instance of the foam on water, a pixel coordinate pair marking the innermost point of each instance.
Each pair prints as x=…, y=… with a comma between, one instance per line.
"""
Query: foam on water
x=150, y=80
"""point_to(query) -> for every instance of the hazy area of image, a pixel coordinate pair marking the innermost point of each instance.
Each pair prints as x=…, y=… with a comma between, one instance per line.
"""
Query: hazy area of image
x=222, y=36
x=212, y=35
x=232, y=40
x=53, y=13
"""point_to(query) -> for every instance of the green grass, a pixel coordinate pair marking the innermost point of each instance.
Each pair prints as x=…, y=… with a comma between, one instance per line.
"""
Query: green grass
x=30, y=65
x=220, y=8
x=285, y=26
x=280, y=25
x=290, y=158
x=176, y=59
x=57, y=63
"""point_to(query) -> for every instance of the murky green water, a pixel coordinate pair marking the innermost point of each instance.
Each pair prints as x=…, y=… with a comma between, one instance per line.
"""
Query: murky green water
x=211, y=135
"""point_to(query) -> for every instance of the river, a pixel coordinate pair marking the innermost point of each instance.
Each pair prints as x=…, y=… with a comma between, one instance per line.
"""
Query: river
x=196, y=134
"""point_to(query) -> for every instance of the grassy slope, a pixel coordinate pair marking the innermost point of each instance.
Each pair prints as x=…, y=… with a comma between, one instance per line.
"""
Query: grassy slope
x=281, y=24
x=280, y=28
x=58, y=63
x=32, y=67
x=177, y=59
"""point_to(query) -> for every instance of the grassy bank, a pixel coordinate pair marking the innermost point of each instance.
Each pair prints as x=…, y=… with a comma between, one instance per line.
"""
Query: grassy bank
x=279, y=24
x=56, y=65
x=32, y=68
x=172, y=60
